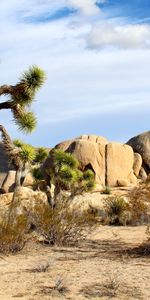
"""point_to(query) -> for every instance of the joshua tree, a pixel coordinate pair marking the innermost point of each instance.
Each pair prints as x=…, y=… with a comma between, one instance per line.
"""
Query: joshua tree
x=41, y=154
x=66, y=175
x=21, y=97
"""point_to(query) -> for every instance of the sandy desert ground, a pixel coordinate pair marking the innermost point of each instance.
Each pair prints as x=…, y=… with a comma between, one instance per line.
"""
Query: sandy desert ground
x=102, y=267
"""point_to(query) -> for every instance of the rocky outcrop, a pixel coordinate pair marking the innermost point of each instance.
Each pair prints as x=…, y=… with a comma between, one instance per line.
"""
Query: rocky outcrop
x=119, y=160
x=137, y=164
x=91, y=155
x=141, y=145
x=25, y=202
x=114, y=164
x=9, y=182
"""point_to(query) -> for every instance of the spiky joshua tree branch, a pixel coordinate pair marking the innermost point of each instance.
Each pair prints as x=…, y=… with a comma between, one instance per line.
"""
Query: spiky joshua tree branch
x=19, y=99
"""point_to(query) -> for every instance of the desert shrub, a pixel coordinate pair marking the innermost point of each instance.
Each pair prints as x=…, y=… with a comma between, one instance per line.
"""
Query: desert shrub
x=62, y=225
x=135, y=210
x=145, y=247
x=116, y=211
x=12, y=234
x=139, y=199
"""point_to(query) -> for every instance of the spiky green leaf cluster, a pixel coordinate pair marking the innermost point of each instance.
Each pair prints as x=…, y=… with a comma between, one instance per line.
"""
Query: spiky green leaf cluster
x=27, y=153
x=23, y=96
x=63, y=158
x=67, y=175
x=37, y=174
x=18, y=143
x=89, y=185
x=41, y=154
x=88, y=175
x=65, y=172
x=26, y=122
x=32, y=79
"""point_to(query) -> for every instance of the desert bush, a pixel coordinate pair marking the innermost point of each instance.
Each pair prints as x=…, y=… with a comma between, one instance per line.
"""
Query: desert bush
x=145, y=247
x=139, y=199
x=12, y=234
x=62, y=225
x=133, y=209
x=116, y=211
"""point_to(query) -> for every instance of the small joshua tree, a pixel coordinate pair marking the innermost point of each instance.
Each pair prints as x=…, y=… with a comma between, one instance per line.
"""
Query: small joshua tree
x=21, y=96
x=27, y=155
x=66, y=175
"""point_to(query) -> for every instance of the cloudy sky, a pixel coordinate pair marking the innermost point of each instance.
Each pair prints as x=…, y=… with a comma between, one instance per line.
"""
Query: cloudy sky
x=97, y=58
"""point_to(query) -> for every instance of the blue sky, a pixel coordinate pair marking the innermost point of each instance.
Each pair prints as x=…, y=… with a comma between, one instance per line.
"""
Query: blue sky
x=97, y=58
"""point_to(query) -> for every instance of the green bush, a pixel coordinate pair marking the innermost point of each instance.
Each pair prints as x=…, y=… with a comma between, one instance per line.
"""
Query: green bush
x=116, y=210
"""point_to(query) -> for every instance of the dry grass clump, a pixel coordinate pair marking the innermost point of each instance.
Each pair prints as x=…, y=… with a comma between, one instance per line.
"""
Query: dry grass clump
x=12, y=235
x=140, y=203
x=58, y=289
x=144, y=249
x=146, y=245
x=98, y=290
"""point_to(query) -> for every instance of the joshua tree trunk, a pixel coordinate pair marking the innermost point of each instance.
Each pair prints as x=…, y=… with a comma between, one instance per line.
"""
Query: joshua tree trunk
x=18, y=177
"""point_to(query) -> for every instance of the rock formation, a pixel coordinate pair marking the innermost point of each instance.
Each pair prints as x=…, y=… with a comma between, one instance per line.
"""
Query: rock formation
x=141, y=145
x=114, y=164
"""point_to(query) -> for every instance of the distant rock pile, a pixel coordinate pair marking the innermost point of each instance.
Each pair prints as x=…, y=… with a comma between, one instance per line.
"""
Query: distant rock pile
x=114, y=164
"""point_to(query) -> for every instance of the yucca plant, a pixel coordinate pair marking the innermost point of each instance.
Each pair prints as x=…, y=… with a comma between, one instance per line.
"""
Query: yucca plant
x=41, y=154
x=116, y=209
x=21, y=96
x=66, y=175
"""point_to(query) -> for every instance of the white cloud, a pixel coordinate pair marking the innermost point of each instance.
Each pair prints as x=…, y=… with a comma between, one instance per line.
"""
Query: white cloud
x=81, y=82
x=125, y=36
x=87, y=7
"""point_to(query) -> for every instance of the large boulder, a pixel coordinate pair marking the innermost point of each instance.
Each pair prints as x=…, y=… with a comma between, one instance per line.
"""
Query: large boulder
x=137, y=164
x=119, y=160
x=25, y=202
x=91, y=155
x=141, y=145
x=8, y=184
x=114, y=164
